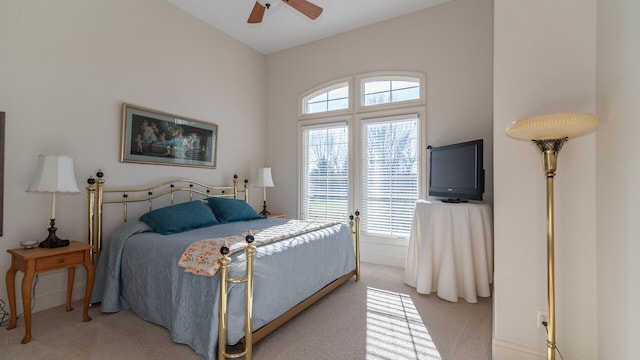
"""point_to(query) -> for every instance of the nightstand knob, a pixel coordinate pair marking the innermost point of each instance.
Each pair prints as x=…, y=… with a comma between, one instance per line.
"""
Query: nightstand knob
x=61, y=260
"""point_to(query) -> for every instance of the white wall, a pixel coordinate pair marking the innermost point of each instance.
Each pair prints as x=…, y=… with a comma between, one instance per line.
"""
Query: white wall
x=618, y=176
x=451, y=43
x=67, y=66
x=544, y=62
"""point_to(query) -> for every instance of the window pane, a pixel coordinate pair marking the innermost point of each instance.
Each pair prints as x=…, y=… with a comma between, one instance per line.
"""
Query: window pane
x=318, y=98
x=377, y=98
x=325, y=178
x=338, y=104
x=316, y=107
x=340, y=93
x=406, y=94
x=377, y=86
x=399, y=84
x=390, y=177
x=376, y=92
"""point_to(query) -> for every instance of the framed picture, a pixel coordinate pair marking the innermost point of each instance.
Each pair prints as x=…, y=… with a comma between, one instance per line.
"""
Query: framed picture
x=154, y=137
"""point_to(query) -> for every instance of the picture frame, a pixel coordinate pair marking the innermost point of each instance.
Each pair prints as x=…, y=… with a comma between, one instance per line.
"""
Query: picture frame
x=2, y=121
x=156, y=137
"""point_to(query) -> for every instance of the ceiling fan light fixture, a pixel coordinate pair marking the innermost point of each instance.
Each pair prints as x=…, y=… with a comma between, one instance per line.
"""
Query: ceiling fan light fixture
x=268, y=3
x=307, y=8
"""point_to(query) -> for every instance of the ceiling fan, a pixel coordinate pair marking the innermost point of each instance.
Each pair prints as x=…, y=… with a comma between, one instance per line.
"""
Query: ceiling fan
x=312, y=11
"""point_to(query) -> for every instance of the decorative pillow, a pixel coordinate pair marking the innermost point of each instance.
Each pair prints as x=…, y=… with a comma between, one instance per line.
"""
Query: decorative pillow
x=230, y=210
x=180, y=217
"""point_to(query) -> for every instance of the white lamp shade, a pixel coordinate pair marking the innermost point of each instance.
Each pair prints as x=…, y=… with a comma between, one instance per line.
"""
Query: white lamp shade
x=553, y=126
x=264, y=178
x=54, y=173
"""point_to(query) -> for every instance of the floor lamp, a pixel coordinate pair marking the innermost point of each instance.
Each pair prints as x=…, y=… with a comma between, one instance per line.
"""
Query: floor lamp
x=549, y=133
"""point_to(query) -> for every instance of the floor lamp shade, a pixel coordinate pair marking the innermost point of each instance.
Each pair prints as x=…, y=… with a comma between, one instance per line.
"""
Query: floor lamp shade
x=264, y=181
x=553, y=126
x=54, y=173
x=549, y=133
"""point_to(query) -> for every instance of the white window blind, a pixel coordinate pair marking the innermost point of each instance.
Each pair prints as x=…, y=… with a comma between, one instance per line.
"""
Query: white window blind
x=390, y=174
x=325, y=180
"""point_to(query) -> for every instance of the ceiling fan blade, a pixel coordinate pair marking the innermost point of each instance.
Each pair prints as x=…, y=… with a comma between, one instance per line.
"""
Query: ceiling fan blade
x=310, y=10
x=256, y=14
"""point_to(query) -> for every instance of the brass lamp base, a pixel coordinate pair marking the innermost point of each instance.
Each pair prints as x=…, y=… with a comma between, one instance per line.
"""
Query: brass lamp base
x=53, y=241
x=264, y=211
x=550, y=148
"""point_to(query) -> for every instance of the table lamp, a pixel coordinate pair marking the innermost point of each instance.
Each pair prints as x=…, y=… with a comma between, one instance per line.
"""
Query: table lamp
x=264, y=181
x=549, y=133
x=54, y=174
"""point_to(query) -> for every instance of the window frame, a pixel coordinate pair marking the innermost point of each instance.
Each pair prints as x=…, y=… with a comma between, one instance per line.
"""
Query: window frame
x=354, y=115
x=321, y=123
x=362, y=79
x=422, y=166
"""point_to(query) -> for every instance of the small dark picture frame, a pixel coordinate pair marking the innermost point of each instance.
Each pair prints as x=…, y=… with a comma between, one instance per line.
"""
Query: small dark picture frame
x=155, y=137
x=1, y=172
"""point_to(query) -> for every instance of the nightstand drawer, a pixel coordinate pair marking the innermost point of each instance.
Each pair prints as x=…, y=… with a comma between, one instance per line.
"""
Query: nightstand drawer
x=60, y=261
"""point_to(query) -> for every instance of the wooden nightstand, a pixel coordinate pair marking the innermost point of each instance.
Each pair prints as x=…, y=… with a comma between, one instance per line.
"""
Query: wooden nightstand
x=37, y=260
x=279, y=216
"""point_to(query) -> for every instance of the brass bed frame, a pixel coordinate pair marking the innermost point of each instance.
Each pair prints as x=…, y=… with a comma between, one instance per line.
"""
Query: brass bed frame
x=98, y=196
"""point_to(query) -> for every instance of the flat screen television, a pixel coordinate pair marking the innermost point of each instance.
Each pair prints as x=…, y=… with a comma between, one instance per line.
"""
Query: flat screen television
x=456, y=173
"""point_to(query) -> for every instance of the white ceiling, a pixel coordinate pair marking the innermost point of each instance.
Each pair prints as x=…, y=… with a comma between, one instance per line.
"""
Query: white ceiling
x=283, y=27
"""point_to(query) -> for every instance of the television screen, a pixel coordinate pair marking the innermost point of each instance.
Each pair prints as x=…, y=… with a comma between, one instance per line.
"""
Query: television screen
x=456, y=171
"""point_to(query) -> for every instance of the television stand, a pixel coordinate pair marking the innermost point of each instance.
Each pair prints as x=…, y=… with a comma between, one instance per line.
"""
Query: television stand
x=454, y=201
x=450, y=250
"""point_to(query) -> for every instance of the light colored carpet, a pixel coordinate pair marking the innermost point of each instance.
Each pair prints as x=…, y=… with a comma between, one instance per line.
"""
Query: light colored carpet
x=376, y=319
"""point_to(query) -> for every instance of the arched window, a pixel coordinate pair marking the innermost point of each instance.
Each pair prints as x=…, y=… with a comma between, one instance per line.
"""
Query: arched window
x=330, y=98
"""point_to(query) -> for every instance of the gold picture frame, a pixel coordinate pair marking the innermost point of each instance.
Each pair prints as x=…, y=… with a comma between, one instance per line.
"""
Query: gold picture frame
x=155, y=137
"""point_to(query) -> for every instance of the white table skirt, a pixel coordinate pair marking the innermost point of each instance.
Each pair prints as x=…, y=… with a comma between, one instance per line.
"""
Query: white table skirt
x=451, y=250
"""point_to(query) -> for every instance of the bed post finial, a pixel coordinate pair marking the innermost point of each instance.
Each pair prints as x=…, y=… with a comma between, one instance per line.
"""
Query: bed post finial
x=246, y=190
x=235, y=186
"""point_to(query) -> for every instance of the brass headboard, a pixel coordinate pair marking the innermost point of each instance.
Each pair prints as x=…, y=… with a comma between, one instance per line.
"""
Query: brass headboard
x=98, y=196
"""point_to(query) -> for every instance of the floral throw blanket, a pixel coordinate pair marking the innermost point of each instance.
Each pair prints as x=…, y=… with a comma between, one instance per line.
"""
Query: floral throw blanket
x=201, y=257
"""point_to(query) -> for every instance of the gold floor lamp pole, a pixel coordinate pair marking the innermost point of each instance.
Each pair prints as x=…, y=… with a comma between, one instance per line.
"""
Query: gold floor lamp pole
x=549, y=133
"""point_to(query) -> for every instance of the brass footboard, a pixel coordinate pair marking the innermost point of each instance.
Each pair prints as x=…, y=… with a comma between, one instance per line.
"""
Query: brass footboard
x=225, y=260
x=250, y=250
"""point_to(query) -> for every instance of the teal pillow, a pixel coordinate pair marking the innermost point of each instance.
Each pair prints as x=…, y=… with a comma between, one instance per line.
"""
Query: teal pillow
x=230, y=210
x=180, y=217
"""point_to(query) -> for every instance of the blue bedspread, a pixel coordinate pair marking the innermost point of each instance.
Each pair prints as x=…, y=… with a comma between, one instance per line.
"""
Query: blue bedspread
x=138, y=270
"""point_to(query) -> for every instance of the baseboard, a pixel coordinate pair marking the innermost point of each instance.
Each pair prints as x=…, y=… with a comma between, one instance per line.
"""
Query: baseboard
x=504, y=350
x=51, y=299
x=384, y=260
